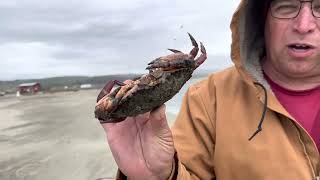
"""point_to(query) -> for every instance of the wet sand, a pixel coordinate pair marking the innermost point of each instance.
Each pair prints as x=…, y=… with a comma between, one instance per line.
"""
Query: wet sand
x=53, y=137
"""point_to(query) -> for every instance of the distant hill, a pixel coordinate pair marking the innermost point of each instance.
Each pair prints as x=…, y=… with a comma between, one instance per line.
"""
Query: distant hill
x=74, y=82
x=58, y=83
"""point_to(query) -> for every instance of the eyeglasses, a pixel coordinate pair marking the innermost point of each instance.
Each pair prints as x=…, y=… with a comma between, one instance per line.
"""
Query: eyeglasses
x=288, y=9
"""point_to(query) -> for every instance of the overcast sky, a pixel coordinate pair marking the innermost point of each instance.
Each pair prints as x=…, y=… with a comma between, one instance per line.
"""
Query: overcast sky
x=44, y=38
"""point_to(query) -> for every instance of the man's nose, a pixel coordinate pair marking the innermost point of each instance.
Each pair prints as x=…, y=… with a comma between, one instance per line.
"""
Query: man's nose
x=305, y=22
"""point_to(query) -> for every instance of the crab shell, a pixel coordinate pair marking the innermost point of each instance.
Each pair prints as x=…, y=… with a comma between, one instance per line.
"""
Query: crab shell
x=148, y=97
x=166, y=77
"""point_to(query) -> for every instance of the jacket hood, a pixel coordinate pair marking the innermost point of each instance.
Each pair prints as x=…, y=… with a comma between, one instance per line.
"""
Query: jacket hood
x=248, y=49
x=248, y=44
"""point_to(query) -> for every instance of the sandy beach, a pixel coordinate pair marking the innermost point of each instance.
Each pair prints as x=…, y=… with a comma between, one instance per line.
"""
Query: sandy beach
x=54, y=137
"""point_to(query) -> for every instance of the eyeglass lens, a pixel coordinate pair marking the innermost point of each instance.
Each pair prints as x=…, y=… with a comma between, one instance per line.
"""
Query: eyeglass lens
x=291, y=8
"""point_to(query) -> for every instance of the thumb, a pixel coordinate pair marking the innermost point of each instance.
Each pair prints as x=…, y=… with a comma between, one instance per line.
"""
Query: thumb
x=158, y=120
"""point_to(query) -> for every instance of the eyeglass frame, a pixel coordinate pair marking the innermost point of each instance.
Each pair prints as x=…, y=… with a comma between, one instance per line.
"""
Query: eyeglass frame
x=301, y=2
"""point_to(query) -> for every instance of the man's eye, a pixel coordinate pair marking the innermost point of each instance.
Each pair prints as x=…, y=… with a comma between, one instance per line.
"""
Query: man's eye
x=316, y=8
x=286, y=8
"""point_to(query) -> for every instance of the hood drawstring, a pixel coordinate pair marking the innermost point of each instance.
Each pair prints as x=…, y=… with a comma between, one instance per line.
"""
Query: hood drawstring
x=264, y=111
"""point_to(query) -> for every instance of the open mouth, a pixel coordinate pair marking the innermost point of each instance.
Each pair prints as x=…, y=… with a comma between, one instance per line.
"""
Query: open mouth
x=300, y=47
x=301, y=50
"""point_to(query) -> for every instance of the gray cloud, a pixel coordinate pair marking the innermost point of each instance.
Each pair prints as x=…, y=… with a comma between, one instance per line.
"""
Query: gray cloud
x=96, y=37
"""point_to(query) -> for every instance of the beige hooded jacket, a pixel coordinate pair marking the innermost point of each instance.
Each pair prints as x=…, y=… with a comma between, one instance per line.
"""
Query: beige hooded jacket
x=219, y=115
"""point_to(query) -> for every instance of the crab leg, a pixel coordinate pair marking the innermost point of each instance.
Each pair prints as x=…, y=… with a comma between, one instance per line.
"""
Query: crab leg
x=202, y=57
x=174, y=50
x=106, y=101
x=107, y=88
x=170, y=64
x=195, y=50
x=124, y=90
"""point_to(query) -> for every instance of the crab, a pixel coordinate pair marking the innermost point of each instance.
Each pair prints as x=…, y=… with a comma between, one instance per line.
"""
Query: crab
x=166, y=77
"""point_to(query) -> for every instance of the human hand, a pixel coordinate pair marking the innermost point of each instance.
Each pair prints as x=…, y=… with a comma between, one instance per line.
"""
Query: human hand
x=142, y=146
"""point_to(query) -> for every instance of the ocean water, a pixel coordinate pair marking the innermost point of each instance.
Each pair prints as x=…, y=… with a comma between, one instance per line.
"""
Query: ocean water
x=173, y=105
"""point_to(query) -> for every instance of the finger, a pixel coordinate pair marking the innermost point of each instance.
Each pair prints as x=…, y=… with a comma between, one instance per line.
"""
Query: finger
x=112, y=132
x=159, y=112
x=107, y=126
x=118, y=130
x=113, y=125
x=158, y=117
x=143, y=118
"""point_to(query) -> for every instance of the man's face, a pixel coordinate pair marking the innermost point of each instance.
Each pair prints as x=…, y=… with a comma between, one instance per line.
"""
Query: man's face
x=293, y=45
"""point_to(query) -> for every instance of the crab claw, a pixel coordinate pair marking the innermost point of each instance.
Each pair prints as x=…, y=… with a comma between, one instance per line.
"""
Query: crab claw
x=107, y=88
x=202, y=57
x=194, y=42
x=203, y=49
x=195, y=50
